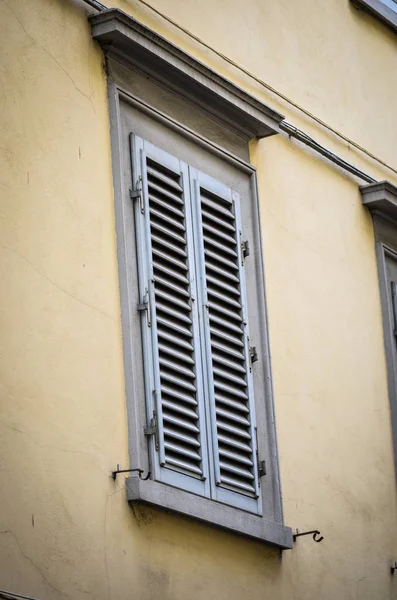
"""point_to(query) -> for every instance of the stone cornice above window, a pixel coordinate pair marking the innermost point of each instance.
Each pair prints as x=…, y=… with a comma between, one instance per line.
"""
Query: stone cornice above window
x=381, y=199
x=122, y=36
x=379, y=9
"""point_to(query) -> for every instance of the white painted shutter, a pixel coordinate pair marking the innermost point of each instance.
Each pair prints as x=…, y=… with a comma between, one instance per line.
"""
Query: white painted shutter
x=229, y=390
x=199, y=393
x=172, y=362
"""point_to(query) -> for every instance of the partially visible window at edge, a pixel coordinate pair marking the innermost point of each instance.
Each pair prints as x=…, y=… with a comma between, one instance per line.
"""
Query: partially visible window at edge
x=391, y=4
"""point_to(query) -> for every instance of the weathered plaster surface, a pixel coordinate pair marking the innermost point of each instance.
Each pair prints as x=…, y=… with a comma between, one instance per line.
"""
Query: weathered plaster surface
x=65, y=528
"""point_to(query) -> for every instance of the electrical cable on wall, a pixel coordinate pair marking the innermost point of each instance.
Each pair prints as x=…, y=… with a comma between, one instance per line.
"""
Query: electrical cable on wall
x=99, y=6
x=6, y=595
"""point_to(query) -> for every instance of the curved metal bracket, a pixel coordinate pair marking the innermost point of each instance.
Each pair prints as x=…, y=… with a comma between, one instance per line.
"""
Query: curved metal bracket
x=314, y=532
x=139, y=471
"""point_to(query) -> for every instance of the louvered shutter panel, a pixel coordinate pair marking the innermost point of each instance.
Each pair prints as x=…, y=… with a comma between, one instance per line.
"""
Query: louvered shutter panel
x=225, y=342
x=172, y=363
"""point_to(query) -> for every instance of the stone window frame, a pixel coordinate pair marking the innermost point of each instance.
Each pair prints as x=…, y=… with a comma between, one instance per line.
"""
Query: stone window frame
x=381, y=200
x=170, y=89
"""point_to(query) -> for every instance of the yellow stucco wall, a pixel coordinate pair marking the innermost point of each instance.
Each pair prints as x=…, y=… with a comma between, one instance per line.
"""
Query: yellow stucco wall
x=65, y=528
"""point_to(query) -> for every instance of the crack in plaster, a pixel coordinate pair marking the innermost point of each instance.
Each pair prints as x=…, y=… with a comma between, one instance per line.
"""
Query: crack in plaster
x=106, y=539
x=13, y=251
x=34, y=565
x=67, y=451
x=89, y=98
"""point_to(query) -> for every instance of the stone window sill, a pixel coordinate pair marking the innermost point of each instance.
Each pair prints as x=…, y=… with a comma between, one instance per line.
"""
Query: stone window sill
x=208, y=511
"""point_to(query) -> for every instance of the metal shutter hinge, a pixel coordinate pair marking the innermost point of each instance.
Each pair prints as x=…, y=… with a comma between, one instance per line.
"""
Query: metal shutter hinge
x=145, y=306
x=394, y=304
x=261, y=468
x=253, y=354
x=152, y=429
x=261, y=464
x=136, y=194
x=245, y=248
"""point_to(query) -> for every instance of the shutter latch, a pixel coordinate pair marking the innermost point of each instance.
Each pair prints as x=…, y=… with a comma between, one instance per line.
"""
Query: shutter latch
x=152, y=429
x=137, y=194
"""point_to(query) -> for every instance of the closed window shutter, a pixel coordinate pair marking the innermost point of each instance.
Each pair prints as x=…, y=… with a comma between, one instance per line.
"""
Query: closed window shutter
x=225, y=343
x=173, y=378
x=199, y=393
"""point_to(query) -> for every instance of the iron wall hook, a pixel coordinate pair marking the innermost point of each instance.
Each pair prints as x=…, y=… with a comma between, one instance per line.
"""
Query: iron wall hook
x=315, y=538
x=139, y=471
x=314, y=532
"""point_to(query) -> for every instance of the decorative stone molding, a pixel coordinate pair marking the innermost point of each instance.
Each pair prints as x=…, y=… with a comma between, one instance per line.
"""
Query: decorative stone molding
x=381, y=199
x=122, y=36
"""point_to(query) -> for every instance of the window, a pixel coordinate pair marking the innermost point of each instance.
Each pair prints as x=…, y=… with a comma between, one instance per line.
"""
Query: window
x=381, y=199
x=384, y=10
x=196, y=349
x=198, y=373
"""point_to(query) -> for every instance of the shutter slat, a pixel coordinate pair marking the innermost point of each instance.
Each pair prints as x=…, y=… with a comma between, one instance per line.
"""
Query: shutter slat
x=162, y=177
x=218, y=283
x=166, y=297
x=176, y=314
x=177, y=381
x=235, y=470
x=176, y=461
x=217, y=233
x=161, y=230
x=228, y=349
x=179, y=449
x=214, y=207
x=167, y=221
x=236, y=483
x=228, y=339
x=221, y=222
x=168, y=391
x=172, y=273
x=238, y=381
x=209, y=241
x=233, y=443
x=226, y=362
x=175, y=353
x=176, y=366
x=222, y=260
x=178, y=330
x=172, y=210
x=178, y=408
x=180, y=430
x=218, y=309
x=229, y=402
x=167, y=258
x=234, y=431
x=234, y=391
x=153, y=187
x=223, y=298
x=221, y=412
x=221, y=272
x=172, y=286
x=174, y=339
x=170, y=247
x=235, y=454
